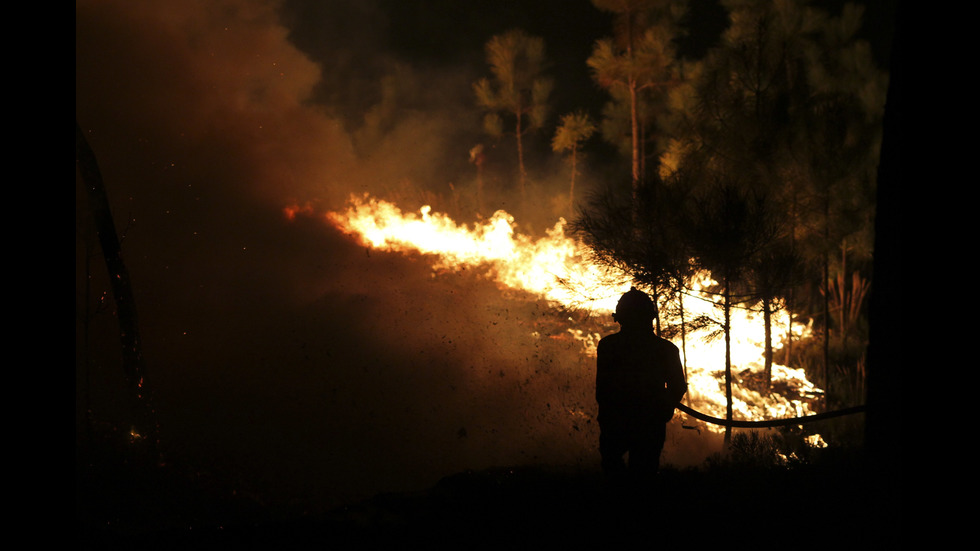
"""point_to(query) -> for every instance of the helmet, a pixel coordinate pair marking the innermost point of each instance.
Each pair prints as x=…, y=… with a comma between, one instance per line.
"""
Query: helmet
x=635, y=305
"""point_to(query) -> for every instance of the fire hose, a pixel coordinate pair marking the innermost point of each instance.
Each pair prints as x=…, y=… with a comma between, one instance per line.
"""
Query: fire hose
x=771, y=422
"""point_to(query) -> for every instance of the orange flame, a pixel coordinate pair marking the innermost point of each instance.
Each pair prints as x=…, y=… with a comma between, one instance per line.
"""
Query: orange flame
x=292, y=210
x=557, y=268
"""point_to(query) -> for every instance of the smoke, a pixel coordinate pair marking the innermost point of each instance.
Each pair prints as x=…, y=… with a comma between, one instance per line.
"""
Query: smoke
x=283, y=358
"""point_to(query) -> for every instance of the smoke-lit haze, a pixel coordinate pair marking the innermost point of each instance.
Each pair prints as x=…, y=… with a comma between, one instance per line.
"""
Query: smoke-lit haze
x=283, y=357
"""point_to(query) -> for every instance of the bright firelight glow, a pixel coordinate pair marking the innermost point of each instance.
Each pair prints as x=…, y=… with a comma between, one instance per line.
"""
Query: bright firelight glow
x=557, y=268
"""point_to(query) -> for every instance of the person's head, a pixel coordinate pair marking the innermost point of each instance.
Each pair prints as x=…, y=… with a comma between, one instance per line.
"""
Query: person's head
x=635, y=309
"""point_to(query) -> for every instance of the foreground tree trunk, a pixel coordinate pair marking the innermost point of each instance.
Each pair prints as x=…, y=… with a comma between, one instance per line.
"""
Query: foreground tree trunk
x=888, y=328
x=122, y=291
x=728, y=362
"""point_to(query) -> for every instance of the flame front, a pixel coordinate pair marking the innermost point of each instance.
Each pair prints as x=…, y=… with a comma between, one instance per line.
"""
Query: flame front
x=554, y=267
x=557, y=268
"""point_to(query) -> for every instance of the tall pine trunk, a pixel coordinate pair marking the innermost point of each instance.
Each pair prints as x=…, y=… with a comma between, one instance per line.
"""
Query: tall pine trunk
x=767, y=322
x=826, y=299
x=728, y=361
x=571, y=187
x=520, y=159
x=635, y=130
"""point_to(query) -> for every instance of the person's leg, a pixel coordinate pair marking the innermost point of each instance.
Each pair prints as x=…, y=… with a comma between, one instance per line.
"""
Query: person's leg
x=645, y=450
x=612, y=448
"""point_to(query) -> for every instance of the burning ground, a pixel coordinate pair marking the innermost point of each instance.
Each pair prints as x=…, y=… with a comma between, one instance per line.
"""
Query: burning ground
x=282, y=355
x=388, y=378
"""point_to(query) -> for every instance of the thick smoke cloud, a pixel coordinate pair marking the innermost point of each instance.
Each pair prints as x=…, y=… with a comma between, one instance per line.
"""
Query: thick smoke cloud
x=284, y=358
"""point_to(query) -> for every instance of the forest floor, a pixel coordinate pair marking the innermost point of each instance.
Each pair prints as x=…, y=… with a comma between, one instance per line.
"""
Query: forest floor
x=843, y=500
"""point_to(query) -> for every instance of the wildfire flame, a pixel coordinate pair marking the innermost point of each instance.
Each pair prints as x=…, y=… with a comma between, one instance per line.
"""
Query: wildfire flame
x=557, y=268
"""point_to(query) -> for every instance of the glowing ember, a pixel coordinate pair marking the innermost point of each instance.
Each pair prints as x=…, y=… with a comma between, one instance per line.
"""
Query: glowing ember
x=134, y=435
x=557, y=268
x=292, y=210
x=814, y=440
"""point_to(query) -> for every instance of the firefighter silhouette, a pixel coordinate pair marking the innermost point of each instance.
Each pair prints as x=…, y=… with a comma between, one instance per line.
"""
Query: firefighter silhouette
x=639, y=382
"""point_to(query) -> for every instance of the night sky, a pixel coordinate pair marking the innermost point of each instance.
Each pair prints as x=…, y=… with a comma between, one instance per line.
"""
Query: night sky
x=285, y=359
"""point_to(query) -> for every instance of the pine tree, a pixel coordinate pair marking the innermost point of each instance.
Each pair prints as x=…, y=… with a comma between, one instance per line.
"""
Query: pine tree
x=518, y=90
x=575, y=128
x=730, y=227
x=789, y=101
x=640, y=58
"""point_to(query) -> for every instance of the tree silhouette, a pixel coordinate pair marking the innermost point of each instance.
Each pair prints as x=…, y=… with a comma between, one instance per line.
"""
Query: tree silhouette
x=768, y=171
x=772, y=273
x=790, y=101
x=728, y=228
x=641, y=239
x=574, y=129
x=518, y=90
x=639, y=58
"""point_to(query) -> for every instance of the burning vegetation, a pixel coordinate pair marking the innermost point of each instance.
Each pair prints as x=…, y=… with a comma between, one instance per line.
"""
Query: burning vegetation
x=559, y=269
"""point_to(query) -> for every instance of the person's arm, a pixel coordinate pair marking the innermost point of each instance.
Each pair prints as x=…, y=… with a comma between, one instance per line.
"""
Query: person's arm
x=601, y=372
x=676, y=385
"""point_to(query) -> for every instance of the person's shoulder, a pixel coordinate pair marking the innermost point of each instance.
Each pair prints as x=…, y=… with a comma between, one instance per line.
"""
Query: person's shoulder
x=609, y=339
x=666, y=345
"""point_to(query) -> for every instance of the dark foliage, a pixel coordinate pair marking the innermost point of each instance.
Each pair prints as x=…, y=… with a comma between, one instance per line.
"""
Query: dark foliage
x=645, y=241
x=728, y=229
